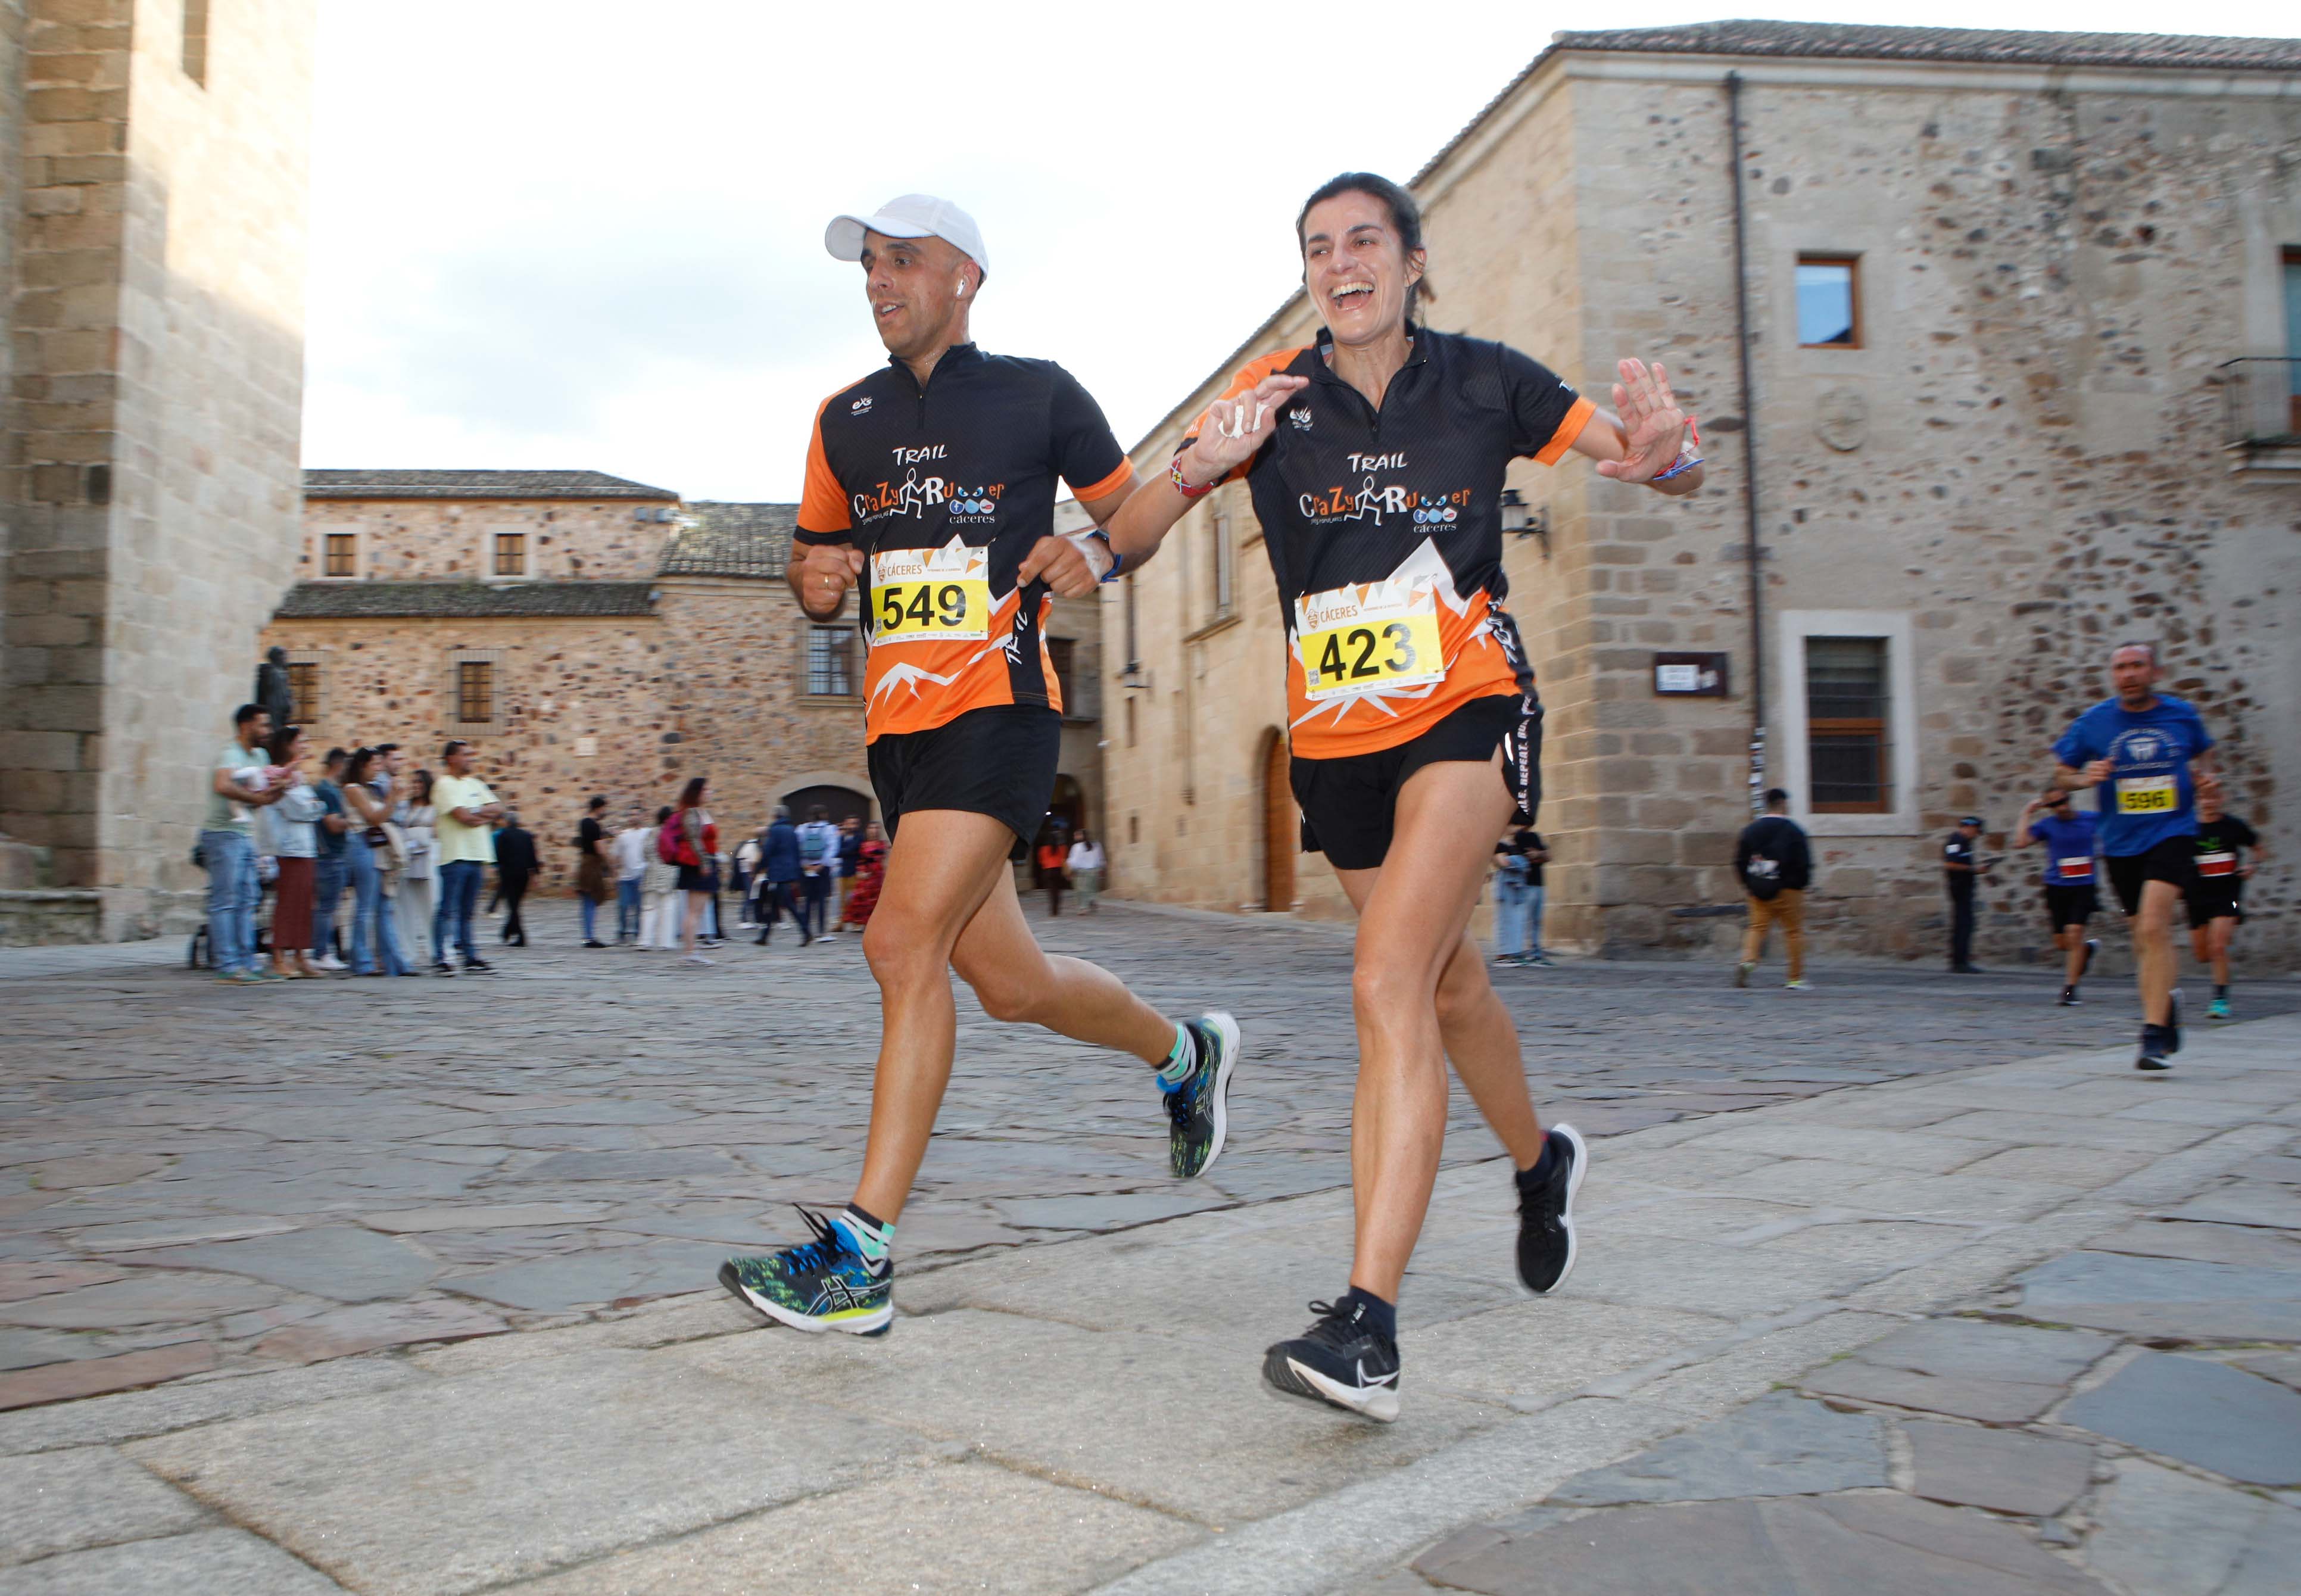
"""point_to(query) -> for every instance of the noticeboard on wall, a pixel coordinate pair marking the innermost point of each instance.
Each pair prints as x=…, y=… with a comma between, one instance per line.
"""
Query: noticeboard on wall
x=1690, y=676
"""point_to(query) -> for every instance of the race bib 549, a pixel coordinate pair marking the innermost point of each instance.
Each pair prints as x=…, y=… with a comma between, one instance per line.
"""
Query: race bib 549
x=1360, y=638
x=931, y=594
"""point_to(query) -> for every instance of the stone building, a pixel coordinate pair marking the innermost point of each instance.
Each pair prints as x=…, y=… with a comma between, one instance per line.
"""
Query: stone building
x=152, y=227
x=2022, y=312
x=593, y=635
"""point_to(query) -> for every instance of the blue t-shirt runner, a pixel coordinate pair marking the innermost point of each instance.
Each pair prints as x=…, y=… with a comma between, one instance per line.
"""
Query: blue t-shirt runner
x=2149, y=796
x=2069, y=849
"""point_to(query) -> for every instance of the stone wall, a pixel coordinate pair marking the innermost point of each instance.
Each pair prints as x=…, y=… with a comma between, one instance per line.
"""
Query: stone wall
x=409, y=540
x=2019, y=466
x=153, y=484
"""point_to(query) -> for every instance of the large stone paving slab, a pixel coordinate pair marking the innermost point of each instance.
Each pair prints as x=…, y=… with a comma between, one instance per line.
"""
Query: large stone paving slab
x=2005, y=1471
x=344, y=1262
x=206, y=1560
x=65, y=1501
x=1780, y=1445
x=446, y=1487
x=2170, y=1533
x=1837, y=1546
x=1997, y=1374
x=2165, y=1297
x=2200, y=1412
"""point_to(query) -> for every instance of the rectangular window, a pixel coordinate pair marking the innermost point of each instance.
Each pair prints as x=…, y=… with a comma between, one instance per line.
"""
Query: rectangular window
x=1828, y=301
x=1846, y=713
x=511, y=554
x=342, y=554
x=1130, y=720
x=831, y=662
x=1134, y=654
x=475, y=691
x=303, y=692
x=1064, y=653
x=196, y=41
x=1222, y=567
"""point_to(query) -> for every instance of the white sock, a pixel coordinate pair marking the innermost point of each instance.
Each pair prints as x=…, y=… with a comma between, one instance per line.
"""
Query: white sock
x=871, y=1241
x=1182, y=1060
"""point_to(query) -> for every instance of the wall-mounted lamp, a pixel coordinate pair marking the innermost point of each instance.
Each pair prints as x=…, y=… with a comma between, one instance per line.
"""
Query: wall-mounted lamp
x=1522, y=520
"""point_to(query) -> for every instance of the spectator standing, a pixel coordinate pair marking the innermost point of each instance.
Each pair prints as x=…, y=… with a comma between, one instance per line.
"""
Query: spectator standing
x=870, y=870
x=330, y=864
x=851, y=855
x=696, y=841
x=747, y=870
x=818, y=863
x=659, y=891
x=633, y=845
x=1085, y=864
x=1052, y=857
x=228, y=845
x=780, y=862
x=1774, y=865
x=413, y=902
x=516, y=862
x=1961, y=868
x=291, y=821
x=591, y=851
x=1518, y=893
x=367, y=849
x=464, y=842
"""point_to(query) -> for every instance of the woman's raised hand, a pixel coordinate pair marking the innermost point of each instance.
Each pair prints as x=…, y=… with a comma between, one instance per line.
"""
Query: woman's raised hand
x=1235, y=429
x=1653, y=428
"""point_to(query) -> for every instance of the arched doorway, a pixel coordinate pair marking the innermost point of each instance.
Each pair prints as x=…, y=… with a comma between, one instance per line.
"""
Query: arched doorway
x=843, y=803
x=1282, y=833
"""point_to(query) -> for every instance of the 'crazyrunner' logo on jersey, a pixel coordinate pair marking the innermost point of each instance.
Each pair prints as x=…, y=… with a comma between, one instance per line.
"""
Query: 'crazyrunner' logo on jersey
x=916, y=495
x=1367, y=502
x=975, y=506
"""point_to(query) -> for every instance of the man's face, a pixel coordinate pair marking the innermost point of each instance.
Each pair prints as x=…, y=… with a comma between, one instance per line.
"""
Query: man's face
x=2134, y=673
x=396, y=761
x=2209, y=804
x=459, y=763
x=2058, y=805
x=1968, y=832
x=257, y=729
x=913, y=286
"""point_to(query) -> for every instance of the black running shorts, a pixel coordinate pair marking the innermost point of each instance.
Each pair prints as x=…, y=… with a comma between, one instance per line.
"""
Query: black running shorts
x=999, y=760
x=2174, y=860
x=2071, y=906
x=1350, y=804
x=2208, y=903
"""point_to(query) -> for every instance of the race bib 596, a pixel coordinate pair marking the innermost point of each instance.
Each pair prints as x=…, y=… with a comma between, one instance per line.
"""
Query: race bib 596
x=2147, y=794
x=931, y=594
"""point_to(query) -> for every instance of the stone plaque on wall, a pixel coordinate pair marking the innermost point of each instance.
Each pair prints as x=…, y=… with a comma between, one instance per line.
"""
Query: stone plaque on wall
x=1841, y=419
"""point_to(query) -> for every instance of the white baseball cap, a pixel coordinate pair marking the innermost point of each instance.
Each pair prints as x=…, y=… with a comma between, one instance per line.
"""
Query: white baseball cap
x=908, y=216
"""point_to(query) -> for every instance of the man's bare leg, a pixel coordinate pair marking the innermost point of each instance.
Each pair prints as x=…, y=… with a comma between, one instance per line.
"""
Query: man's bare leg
x=2153, y=950
x=1018, y=981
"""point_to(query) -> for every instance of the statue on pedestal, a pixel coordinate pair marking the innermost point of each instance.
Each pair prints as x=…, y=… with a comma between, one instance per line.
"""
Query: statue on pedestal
x=273, y=694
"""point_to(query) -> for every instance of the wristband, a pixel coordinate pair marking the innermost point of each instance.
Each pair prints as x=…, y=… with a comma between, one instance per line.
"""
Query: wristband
x=1174, y=475
x=1103, y=537
x=1685, y=463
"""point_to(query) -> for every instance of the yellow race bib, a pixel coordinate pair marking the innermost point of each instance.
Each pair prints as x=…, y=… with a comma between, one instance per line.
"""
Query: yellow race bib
x=1365, y=638
x=2147, y=794
x=931, y=594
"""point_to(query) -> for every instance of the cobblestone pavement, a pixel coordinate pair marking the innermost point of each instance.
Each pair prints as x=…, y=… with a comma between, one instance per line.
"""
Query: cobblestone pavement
x=198, y=1178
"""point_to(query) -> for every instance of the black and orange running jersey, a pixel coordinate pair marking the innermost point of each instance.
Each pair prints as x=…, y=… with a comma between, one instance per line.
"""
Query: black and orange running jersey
x=1384, y=531
x=945, y=487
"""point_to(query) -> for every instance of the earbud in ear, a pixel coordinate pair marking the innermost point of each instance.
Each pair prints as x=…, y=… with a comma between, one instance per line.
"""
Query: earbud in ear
x=962, y=288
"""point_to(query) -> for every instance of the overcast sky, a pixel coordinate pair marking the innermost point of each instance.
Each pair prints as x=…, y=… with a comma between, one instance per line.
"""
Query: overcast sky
x=562, y=233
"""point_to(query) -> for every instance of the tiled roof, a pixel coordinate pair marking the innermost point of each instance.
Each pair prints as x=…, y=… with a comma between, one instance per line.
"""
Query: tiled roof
x=476, y=484
x=463, y=600
x=717, y=538
x=1861, y=41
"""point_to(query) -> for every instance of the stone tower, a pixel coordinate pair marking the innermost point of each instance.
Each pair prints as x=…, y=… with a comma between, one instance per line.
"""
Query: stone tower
x=153, y=176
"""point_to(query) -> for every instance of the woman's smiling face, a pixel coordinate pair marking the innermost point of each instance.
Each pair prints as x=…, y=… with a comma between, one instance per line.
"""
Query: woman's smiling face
x=1355, y=268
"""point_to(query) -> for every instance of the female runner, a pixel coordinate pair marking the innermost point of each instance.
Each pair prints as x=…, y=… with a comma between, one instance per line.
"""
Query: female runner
x=1376, y=460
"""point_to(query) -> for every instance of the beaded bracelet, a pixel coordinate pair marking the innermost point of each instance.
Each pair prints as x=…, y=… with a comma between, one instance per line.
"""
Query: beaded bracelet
x=1688, y=464
x=1174, y=475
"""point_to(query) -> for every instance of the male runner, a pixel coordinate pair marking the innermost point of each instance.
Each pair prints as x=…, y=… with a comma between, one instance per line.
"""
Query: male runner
x=2151, y=755
x=2214, y=910
x=2066, y=833
x=930, y=484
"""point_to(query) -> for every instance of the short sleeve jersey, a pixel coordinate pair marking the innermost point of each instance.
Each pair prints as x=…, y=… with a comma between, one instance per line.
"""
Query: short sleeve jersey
x=2150, y=794
x=1958, y=850
x=2218, y=845
x=944, y=489
x=2069, y=849
x=1384, y=532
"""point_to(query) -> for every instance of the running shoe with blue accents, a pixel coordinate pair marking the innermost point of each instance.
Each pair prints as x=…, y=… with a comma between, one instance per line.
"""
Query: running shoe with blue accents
x=822, y=1284
x=1200, y=1108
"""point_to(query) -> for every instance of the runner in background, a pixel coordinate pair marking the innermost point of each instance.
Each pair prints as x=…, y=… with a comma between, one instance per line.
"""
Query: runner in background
x=931, y=488
x=2150, y=756
x=2067, y=834
x=1376, y=457
x=2216, y=898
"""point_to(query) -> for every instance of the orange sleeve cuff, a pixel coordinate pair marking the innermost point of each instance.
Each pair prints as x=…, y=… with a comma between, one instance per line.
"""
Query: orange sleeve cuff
x=1109, y=485
x=1567, y=431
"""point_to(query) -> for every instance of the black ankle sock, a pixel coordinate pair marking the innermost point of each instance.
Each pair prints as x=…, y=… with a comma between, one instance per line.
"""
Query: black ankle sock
x=2220, y=989
x=1543, y=1167
x=1380, y=1316
x=866, y=1216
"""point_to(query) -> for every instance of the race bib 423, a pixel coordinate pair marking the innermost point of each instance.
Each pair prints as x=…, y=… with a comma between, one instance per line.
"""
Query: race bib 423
x=931, y=594
x=1356, y=639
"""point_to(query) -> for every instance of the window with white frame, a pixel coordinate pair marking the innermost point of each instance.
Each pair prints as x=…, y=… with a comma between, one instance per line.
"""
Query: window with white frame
x=1843, y=724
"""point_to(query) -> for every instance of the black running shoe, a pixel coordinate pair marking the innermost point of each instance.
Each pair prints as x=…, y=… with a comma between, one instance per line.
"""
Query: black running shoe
x=480, y=964
x=2069, y=997
x=1200, y=1108
x=2157, y=1048
x=1338, y=1360
x=1545, y=1213
x=824, y=1284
